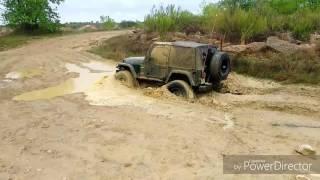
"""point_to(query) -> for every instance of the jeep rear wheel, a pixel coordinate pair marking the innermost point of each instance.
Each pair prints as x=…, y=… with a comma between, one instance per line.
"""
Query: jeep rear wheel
x=180, y=88
x=126, y=78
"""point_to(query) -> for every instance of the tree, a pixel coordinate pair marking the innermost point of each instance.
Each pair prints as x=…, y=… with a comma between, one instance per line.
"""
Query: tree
x=31, y=15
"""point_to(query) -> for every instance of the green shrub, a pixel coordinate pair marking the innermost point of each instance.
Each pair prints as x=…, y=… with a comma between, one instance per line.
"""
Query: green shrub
x=169, y=19
x=234, y=23
x=107, y=22
x=162, y=19
x=128, y=24
x=304, y=22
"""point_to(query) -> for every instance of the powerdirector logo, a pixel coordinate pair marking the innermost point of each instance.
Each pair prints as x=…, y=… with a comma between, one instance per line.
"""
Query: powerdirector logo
x=237, y=164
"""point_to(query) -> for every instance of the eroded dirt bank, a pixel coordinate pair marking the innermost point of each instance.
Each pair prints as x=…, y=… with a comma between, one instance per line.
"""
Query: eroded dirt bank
x=63, y=116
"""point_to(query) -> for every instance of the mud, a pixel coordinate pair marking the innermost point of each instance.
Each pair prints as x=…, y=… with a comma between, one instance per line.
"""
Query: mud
x=74, y=121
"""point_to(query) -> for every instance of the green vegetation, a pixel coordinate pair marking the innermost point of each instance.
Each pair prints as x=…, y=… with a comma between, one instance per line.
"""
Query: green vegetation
x=243, y=20
x=302, y=67
x=130, y=24
x=107, y=22
x=31, y=15
x=13, y=41
x=169, y=19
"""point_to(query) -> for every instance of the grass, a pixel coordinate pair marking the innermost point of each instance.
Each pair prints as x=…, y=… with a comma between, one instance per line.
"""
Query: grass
x=13, y=41
x=303, y=67
x=119, y=47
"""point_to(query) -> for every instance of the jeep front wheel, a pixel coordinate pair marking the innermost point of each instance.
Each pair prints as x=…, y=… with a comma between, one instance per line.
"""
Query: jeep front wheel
x=126, y=78
x=180, y=88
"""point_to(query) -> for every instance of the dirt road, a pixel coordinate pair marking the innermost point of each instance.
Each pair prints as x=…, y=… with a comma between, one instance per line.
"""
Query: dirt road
x=63, y=116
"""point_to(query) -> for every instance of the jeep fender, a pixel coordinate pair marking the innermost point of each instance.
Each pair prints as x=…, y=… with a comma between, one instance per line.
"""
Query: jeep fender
x=128, y=67
x=186, y=74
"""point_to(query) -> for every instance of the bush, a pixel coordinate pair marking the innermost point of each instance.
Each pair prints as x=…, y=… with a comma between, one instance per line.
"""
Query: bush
x=169, y=19
x=303, y=23
x=236, y=23
x=107, y=22
x=128, y=24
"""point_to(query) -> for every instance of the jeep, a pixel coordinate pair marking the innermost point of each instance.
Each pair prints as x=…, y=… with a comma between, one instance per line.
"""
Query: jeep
x=183, y=66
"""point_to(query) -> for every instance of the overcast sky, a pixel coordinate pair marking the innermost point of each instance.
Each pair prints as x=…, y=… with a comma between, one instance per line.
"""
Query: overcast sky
x=91, y=10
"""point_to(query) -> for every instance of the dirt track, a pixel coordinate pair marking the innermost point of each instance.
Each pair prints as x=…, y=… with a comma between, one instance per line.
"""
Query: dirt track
x=110, y=132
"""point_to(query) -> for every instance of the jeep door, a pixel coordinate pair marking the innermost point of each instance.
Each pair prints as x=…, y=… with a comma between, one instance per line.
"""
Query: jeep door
x=156, y=65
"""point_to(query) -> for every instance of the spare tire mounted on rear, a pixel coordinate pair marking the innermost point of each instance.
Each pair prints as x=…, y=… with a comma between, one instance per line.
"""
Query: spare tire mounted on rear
x=220, y=67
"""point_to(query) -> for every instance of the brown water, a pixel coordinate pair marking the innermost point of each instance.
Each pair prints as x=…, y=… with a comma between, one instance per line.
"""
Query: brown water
x=86, y=81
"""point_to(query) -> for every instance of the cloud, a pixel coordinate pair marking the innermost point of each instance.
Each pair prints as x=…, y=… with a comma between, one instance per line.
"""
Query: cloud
x=84, y=10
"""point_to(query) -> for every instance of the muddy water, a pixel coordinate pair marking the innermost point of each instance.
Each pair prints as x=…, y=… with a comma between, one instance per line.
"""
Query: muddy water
x=26, y=73
x=86, y=80
x=97, y=82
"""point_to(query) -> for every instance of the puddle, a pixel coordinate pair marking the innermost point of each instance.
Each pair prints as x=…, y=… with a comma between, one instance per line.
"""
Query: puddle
x=28, y=73
x=83, y=83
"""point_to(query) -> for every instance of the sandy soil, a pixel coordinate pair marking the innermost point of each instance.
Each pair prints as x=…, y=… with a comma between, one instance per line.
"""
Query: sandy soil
x=63, y=116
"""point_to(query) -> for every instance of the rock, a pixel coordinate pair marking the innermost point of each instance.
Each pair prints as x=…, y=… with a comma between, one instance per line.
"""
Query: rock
x=156, y=39
x=307, y=47
x=143, y=37
x=180, y=35
x=287, y=37
x=256, y=46
x=282, y=46
x=306, y=150
x=302, y=177
x=252, y=47
x=315, y=38
x=135, y=31
x=235, y=48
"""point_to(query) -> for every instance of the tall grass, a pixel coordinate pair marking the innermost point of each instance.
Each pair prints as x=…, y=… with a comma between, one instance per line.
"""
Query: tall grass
x=234, y=23
x=240, y=20
x=164, y=19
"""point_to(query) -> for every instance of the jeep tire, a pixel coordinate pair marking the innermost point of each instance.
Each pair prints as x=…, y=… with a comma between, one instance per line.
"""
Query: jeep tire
x=220, y=67
x=126, y=78
x=181, y=88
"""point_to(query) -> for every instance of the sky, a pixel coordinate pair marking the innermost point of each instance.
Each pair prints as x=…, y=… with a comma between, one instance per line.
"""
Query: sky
x=91, y=10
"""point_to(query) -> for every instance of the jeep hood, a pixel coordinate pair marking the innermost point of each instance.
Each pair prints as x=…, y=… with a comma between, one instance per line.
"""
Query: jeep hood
x=134, y=60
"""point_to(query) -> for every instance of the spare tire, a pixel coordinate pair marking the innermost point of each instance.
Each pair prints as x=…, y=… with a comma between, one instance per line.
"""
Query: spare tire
x=220, y=67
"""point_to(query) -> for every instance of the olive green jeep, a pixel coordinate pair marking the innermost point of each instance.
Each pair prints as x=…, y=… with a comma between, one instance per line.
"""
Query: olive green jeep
x=183, y=66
